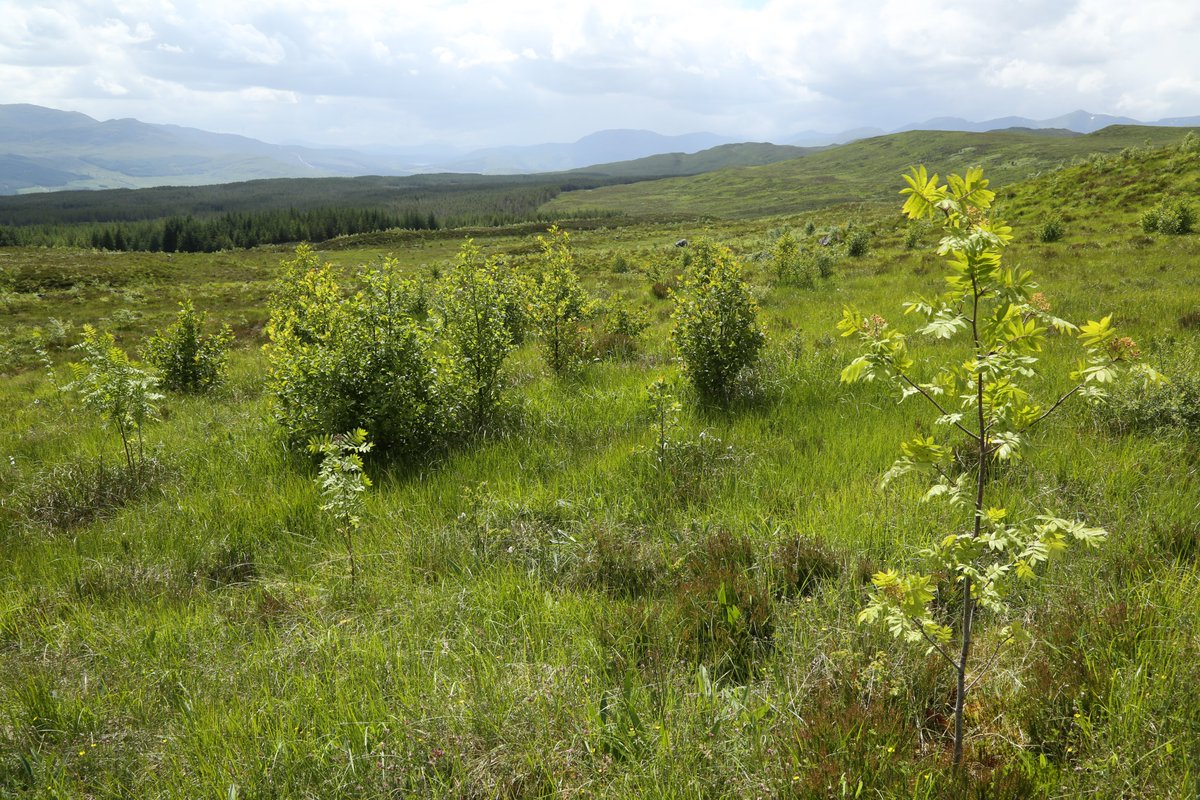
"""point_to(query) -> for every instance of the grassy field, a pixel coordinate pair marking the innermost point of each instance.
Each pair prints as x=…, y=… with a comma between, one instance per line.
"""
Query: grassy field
x=538, y=609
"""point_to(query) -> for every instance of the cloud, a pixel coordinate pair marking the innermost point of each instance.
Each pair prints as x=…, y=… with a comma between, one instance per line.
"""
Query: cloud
x=480, y=72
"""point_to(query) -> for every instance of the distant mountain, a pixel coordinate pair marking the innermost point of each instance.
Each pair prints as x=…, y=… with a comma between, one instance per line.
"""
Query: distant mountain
x=46, y=149
x=745, y=154
x=1075, y=122
x=819, y=139
x=42, y=149
x=604, y=147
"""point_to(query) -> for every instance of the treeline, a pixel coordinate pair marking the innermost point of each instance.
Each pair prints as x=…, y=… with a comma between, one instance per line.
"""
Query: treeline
x=213, y=218
x=188, y=234
x=443, y=195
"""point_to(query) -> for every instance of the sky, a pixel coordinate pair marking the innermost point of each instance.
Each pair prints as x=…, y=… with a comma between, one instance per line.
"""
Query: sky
x=473, y=73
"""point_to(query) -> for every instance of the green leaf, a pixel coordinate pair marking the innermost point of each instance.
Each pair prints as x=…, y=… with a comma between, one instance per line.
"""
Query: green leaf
x=857, y=370
x=922, y=192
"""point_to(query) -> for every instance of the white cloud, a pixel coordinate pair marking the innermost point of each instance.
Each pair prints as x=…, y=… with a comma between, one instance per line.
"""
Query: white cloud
x=480, y=71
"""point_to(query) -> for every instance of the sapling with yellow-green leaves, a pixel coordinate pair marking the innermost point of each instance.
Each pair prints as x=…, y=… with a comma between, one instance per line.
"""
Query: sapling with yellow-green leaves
x=984, y=399
x=343, y=482
x=108, y=382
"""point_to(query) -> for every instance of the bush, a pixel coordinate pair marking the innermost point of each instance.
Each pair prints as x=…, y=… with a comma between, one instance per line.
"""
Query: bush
x=1051, y=230
x=473, y=317
x=1171, y=216
x=110, y=384
x=790, y=267
x=561, y=305
x=623, y=327
x=1164, y=407
x=823, y=261
x=858, y=243
x=716, y=327
x=338, y=363
x=188, y=360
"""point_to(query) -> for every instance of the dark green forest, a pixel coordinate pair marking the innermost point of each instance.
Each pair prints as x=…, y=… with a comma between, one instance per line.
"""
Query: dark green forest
x=239, y=215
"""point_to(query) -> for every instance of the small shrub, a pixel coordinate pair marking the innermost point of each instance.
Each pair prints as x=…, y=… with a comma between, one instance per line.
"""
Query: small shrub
x=790, y=267
x=473, y=307
x=109, y=383
x=1051, y=230
x=664, y=410
x=1171, y=216
x=623, y=327
x=1172, y=406
x=188, y=360
x=561, y=305
x=858, y=243
x=824, y=262
x=716, y=323
x=338, y=362
x=57, y=332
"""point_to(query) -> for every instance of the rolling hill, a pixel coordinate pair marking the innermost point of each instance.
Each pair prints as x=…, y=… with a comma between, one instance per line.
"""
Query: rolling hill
x=860, y=171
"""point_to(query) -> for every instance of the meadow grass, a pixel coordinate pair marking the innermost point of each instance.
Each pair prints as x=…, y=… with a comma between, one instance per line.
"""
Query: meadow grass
x=538, y=610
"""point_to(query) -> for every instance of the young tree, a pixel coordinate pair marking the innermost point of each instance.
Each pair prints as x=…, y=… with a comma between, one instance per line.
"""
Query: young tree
x=561, y=304
x=339, y=362
x=473, y=304
x=108, y=382
x=342, y=482
x=189, y=360
x=983, y=400
x=716, y=327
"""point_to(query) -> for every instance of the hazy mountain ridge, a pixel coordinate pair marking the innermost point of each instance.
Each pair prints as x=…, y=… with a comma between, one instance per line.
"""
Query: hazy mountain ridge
x=43, y=149
x=1074, y=122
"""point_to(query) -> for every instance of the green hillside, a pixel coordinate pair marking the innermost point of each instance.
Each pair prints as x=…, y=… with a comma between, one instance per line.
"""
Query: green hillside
x=720, y=157
x=857, y=172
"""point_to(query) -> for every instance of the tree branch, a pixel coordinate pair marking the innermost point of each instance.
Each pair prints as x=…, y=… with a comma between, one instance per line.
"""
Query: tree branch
x=937, y=405
x=933, y=643
x=991, y=660
x=1052, y=408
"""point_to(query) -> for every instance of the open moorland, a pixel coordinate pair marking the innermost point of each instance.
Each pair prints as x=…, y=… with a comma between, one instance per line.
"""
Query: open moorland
x=580, y=586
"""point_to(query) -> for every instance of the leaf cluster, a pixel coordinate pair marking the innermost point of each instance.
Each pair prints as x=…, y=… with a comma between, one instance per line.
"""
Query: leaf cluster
x=474, y=306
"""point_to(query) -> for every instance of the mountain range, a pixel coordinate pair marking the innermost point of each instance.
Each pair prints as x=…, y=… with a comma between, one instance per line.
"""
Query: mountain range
x=44, y=149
